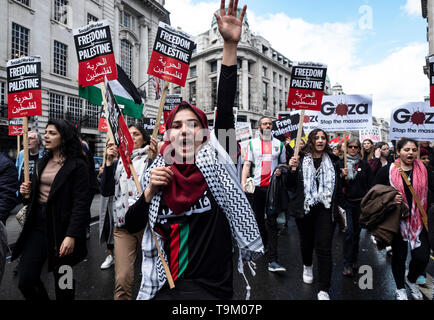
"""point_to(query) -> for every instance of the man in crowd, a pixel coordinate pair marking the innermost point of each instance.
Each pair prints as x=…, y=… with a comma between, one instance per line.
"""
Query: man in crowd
x=262, y=156
x=35, y=152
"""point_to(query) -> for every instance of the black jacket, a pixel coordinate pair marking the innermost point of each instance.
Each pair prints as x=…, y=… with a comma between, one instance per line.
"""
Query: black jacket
x=8, y=187
x=355, y=190
x=67, y=211
x=295, y=185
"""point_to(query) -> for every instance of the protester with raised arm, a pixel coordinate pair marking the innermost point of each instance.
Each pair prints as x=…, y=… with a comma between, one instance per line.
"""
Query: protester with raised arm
x=193, y=201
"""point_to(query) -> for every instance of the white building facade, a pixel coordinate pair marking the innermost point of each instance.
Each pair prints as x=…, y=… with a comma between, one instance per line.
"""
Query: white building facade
x=263, y=76
x=44, y=28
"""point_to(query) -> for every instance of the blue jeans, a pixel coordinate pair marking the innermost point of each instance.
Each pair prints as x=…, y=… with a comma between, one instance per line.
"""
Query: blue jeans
x=352, y=235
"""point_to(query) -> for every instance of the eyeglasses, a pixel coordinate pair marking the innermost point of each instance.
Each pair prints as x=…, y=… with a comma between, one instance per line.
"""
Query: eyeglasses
x=353, y=147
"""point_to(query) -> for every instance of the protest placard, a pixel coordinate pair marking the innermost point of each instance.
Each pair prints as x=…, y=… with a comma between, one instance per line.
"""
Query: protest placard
x=24, y=87
x=16, y=127
x=310, y=119
x=306, y=86
x=374, y=134
x=149, y=124
x=172, y=100
x=96, y=59
x=171, y=54
x=345, y=112
x=286, y=127
x=118, y=127
x=102, y=122
x=413, y=120
x=243, y=131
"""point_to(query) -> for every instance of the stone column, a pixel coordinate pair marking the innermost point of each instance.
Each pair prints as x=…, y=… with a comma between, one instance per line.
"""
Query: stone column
x=118, y=8
x=144, y=52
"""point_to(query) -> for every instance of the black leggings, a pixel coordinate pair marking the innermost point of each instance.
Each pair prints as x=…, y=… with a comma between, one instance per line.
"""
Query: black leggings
x=32, y=261
x=316, y=232
x=418, y=263
x=260, y=197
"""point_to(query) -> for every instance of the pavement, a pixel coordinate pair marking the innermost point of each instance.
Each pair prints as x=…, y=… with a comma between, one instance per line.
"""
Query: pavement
x=96, y=284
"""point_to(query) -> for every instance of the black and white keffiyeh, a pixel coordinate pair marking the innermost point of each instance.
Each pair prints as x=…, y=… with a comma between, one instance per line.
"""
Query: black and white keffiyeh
x=221, y=177
x=323, y=192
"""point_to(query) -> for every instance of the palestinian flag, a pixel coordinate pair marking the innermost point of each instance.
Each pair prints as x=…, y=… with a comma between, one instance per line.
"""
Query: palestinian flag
x=125, y=92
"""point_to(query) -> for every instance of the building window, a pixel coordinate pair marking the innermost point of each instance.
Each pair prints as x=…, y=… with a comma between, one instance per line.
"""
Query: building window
x=264, y=49
x=60, y=58
x=192, y=92
x=75, y=110
x=237, y=94
x=193, y=71
x=92, y=115
x=91, y=18
x=213, y=65
x=264, y=71
x=239, y=63
x=57, y=102
x=127, y=20
x=126, y=57
x=177, y=90
x=214, y=92
x=61, y=11
x=249, y=83
x=274, y=77
x=3, y=105
x=265, y=94
x=249, y=66
x=25, y=2
x=280, y=99
x=286, y=82
x=20, y=41
x=280, y=80
x=274, y=96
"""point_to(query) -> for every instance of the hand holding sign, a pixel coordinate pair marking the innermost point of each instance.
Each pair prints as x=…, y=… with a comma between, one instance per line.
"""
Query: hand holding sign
x=228, y=24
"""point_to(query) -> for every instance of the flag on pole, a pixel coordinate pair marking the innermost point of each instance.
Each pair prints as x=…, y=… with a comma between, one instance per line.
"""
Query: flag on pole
x=157, y=87
x=124, y=91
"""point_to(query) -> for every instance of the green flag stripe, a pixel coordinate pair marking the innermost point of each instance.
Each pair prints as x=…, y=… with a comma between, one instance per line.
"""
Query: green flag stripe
x=183, y=248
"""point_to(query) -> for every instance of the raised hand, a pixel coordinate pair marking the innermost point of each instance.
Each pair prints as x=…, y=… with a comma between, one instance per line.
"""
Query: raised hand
x=228, y=24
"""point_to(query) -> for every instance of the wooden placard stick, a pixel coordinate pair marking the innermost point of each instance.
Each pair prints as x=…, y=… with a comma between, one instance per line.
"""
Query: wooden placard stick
x=26, y=152
x=297, y=141
x=151, y=155
x=345, y=149
x=18, y=145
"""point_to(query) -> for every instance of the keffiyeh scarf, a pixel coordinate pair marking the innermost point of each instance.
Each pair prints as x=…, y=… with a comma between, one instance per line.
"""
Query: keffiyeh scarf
x=326, y=178
x=221, y=177
x=351, y=165
x=125, y=189
x=412, y=226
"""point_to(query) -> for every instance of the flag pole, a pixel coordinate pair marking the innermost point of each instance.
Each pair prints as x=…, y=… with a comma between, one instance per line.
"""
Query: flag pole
x=345, y=149
x=18, y=144
x=159, y=114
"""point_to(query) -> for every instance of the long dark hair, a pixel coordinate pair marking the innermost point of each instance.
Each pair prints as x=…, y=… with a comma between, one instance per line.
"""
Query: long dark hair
x=71, y=146
x=145, y=135
x=310, y=144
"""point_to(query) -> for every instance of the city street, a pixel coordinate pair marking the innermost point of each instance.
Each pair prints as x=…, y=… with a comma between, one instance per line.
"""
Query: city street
x=92, y=283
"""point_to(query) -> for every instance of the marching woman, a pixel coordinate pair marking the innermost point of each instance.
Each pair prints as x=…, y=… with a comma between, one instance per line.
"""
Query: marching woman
x=367, y=147
x=193, y=201
x=412, y=230
x=379, y=156
x=57, y=214
x=116, y=184
x=356, y=182
x=314, y=184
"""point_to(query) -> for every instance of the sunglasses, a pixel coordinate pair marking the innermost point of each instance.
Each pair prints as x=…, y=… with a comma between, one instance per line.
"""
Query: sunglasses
x=353, y=147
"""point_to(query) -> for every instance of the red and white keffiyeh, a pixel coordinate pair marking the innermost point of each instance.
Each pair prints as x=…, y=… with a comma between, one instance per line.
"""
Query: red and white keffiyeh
x=412, y=226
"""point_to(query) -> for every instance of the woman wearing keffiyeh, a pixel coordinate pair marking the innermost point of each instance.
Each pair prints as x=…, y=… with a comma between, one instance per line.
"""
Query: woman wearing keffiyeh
x=356, y=182
x=413, y=232
x=192, y=197
x=315, y=179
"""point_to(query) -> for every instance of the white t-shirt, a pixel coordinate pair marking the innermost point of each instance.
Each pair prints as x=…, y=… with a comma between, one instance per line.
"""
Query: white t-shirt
x=264, y=156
